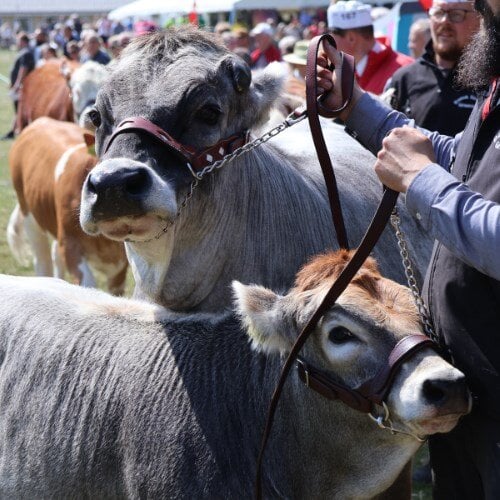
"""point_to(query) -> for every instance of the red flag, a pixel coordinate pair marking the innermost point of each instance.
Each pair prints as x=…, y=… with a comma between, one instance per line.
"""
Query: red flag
x=426, y=4
x=193, y=16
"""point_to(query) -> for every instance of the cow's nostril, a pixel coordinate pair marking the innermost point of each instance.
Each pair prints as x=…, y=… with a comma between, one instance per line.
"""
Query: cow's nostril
x=90, y=185
x=137, y=182
x=435, y=390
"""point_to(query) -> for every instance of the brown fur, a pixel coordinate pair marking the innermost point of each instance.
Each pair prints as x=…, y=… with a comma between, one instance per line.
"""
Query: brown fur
x=381, y=299
x=45, y=92
x=55, y=204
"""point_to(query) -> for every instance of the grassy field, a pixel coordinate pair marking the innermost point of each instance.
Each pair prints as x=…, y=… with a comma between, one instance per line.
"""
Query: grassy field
x=7, y=201
x=7, y=198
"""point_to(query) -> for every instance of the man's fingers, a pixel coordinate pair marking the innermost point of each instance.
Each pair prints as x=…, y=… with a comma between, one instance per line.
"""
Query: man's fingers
x=332, y=53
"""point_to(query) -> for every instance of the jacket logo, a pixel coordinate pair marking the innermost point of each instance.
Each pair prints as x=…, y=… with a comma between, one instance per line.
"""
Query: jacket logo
x=465, y=101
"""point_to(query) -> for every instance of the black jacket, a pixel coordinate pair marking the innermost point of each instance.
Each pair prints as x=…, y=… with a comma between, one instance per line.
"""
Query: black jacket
x=428, y=94
x=464, y=303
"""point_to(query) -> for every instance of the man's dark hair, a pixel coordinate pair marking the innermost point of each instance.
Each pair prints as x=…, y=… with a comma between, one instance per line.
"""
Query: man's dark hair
x=23, y=37
x=364, y=31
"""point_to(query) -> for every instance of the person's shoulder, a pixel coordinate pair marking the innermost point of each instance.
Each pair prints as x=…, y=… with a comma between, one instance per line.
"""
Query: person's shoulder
x=408, y=69
x=403, y=59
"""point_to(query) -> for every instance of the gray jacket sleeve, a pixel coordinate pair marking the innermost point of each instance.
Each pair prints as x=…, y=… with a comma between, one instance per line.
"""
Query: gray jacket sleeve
x=461, y=219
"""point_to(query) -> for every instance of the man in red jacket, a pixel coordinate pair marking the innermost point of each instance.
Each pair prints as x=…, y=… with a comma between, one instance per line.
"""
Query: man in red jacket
x=352, y=27
x=266, y=49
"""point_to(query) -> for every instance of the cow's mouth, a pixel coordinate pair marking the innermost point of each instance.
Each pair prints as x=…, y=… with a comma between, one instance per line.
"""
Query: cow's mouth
x=137, y=228
x=438, y=424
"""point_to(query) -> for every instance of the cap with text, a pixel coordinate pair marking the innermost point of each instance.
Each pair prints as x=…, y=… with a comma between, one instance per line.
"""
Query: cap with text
x=349, y=15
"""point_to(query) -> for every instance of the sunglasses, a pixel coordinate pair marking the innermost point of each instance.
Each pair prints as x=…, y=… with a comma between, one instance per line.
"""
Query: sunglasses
x=455, y=16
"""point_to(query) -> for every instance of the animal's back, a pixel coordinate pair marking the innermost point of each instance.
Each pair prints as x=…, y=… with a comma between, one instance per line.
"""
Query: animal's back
x=360, y=192
x=96, y=398
x=46, y=93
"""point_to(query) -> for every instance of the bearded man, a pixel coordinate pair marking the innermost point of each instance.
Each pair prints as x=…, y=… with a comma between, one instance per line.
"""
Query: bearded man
x=426, y=90
x=452, y=187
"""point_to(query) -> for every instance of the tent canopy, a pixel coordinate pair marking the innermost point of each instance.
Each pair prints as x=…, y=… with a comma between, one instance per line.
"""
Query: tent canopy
x=156, y=7
x=159, y=7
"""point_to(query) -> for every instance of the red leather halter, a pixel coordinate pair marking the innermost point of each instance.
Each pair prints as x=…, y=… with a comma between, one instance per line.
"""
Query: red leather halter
x=196, y=160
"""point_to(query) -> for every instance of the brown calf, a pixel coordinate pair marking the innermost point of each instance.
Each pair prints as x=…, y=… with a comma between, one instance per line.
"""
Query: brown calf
x=48, y=163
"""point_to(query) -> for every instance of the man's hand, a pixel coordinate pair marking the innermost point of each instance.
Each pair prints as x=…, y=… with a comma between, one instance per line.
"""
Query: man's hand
x=405, y=152
x=329, y=83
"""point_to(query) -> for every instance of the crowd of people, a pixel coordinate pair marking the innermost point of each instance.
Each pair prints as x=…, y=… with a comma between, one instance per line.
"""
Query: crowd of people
x=449, y=86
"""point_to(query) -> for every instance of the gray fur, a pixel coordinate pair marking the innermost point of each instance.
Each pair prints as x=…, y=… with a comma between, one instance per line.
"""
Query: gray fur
x=256, y=220
x=96, y=401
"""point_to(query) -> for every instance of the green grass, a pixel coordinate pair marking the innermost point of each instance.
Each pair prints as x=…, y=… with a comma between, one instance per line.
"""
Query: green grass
x=8, y=200
x=7, y=197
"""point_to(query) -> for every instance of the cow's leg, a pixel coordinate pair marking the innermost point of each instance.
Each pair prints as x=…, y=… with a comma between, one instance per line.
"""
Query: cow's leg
x=39, y=241
x=116, y=283
x=17, y=237
x=57, y=261
x=72, y=254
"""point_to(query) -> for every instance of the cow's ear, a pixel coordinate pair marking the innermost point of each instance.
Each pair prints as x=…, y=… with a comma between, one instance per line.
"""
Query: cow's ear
x=262, y=316
x=266, y=89
x=239, y=72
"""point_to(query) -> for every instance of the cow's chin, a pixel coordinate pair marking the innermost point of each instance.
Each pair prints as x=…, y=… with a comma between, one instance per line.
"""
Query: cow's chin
x=133, y=229
x=435, y=425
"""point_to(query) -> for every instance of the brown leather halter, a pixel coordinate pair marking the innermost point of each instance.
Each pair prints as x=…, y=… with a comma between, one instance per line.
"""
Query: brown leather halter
x=195, y=160
x=375, y=390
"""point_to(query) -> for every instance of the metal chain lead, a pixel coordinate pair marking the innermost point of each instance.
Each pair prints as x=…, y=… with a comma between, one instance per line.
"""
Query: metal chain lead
x=410, y=277
x=290, y=120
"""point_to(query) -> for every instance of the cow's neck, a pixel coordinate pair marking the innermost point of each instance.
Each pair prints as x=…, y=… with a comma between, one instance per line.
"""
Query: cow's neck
x=149, y=263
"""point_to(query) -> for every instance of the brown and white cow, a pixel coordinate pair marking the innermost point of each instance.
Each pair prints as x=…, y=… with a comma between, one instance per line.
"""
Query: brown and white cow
x=48, y=163
x=60, y=89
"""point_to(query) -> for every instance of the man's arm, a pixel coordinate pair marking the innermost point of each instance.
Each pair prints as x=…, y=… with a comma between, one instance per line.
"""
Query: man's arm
x=370, y=121
x=461, y=219
x=410, y=160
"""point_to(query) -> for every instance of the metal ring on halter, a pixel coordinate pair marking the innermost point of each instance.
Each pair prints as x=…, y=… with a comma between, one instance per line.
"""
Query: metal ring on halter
x=382, y=420
x=193, y=173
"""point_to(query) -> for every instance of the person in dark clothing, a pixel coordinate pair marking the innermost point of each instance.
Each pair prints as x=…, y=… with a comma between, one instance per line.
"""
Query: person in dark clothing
x=92, y=50
x=452, y=186
x=23, y=64
x=426, y=89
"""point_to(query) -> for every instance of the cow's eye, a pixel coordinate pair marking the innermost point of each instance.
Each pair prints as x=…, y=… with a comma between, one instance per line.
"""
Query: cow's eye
x=95, y=117
x=340, y=335
x=209, y=114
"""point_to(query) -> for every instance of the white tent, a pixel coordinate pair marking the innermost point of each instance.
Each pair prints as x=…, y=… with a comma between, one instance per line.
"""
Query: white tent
x=280, y=4
x=162, y=7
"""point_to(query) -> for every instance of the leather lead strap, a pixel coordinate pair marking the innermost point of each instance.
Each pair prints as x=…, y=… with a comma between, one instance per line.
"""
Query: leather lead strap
x=370, y=238
x=314, y=109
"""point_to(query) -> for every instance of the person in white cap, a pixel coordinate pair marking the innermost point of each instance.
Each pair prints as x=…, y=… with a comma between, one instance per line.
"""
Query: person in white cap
x=266, y=49
x=426, y=90
x=352, y=27
x=452, y=187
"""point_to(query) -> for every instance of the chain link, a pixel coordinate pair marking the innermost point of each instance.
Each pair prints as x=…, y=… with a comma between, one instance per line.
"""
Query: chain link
x=249, y=146
x=410, y=277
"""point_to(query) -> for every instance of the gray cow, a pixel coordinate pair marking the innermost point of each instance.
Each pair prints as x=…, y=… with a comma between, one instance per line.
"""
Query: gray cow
x=256, y=220
x=103, y=397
